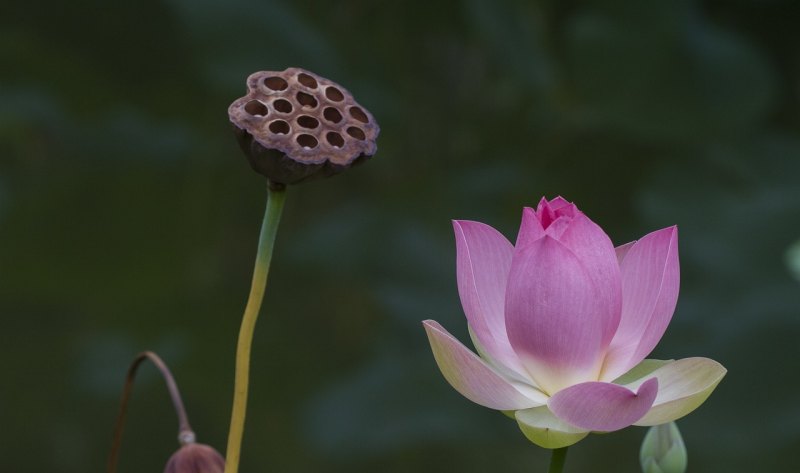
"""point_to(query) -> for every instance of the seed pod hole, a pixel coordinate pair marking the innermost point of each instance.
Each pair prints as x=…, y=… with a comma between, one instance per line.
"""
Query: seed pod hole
x=279, y=127
x=332, y=115
x=307, y=80
x=256, y=108
x=306, y=100
x=307, y=122
x=306, y=141
x=358, y=114
x=283, y=106
x=334, y=94
x=275, y=83
x=335, y=139
x=356, y=133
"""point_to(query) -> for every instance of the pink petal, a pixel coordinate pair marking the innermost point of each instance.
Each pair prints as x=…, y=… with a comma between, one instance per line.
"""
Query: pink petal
x=530, y=229
x=545, y=213
x=482, y=266
x=650, y=282
x=559, y=203
x=553, y=316
x=603, y=407
x=596, y=253
x=512, y=375
x=550, y=218
x=622, y=250
x=474, y=378
x=548, y=211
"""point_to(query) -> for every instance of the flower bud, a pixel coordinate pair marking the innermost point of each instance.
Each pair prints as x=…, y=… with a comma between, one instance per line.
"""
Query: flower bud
x=195, y=458
x=663, y=450
x=294, y=125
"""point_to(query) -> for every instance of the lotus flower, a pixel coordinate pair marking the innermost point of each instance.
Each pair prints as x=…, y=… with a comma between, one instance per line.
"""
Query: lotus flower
x=562, y=322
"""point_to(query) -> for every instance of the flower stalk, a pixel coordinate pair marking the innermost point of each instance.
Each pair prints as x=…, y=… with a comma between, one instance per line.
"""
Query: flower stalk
x=275, y=199
x=557, y=460
x=185, y=433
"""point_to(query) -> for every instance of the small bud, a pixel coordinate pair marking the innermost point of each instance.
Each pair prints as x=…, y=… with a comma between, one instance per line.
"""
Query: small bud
x=195, y=458
x=293, y=125
x=663, y=450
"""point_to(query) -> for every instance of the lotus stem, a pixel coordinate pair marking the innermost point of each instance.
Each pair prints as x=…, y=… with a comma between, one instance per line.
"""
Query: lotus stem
x=275, y=197
x=185, y=433
x=557, y=460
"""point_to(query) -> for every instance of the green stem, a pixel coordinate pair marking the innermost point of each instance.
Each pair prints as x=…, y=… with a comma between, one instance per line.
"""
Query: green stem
x=275, y=198
x=557, y=460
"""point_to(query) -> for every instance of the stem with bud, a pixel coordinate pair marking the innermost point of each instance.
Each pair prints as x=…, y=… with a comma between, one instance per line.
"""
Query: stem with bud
x=185, y=432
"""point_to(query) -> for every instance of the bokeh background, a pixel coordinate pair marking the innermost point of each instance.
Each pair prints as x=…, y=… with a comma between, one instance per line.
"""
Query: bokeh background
x=129, y=219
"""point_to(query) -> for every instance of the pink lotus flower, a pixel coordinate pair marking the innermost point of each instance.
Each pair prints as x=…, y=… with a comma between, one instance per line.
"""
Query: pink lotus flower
x=563, y=321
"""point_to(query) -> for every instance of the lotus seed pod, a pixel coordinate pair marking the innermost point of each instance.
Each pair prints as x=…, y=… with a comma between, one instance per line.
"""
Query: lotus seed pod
x=294, y=125
x=195, y=458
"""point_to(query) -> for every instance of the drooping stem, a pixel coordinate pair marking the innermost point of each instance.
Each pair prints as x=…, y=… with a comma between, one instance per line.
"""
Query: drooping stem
x=185, y=433
x=269, y=227
x=557, y=460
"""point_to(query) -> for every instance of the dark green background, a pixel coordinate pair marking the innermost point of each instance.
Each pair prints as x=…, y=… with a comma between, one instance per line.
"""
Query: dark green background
x=128, y=219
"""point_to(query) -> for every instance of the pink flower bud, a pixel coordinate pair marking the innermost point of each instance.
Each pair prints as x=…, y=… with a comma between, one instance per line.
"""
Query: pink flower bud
x=195, y=458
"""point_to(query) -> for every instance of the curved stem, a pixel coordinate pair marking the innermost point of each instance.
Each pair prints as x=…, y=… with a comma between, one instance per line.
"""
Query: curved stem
x=269, y=227
x=185, y=433
x=557, y=460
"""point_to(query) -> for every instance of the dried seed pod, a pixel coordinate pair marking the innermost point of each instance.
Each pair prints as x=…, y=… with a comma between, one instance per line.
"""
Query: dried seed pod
x=195, y=458
x=294, y=125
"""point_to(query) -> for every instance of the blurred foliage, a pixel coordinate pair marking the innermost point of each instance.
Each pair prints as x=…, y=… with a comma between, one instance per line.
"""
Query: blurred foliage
x=793, y=259
x=128, y=218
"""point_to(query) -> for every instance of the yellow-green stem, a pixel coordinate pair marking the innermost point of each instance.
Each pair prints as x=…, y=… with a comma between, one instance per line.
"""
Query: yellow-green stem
x=266, y=241
x=557, y=459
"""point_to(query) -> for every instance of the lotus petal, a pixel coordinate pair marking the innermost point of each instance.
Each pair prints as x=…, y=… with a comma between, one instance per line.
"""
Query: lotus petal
x=505, y=371
x=622, y=250
x=596, y=253
x=558, y=203
x=602, y=406
x=551, y=316
x=549, y=211
x=530, y=229
x=644, y=368
x=474, y=378
x=482, y=266
x=549, y=218
x=683, y=386
x=546, y=430
x=650, y=282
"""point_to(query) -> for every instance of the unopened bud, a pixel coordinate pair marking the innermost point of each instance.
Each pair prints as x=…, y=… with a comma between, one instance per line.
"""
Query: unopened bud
x=195, y=458
x=293, y=125
x=663, y=450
